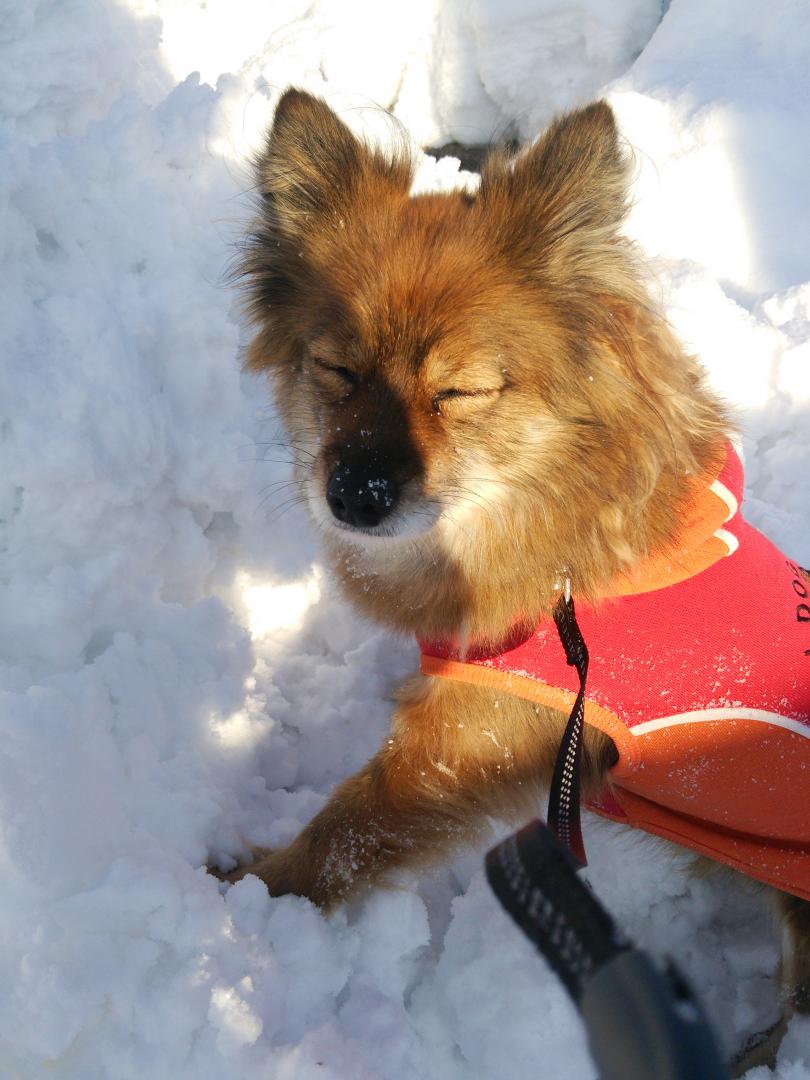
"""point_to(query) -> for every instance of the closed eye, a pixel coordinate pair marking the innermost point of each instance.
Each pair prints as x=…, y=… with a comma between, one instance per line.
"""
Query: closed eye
x=344, y=373
x=472, y=397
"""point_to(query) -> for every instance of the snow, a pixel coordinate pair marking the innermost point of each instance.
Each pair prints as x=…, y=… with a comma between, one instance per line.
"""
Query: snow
x=177, y=675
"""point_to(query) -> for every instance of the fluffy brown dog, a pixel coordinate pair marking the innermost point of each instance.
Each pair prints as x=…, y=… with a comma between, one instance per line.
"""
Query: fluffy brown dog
x=480, y=396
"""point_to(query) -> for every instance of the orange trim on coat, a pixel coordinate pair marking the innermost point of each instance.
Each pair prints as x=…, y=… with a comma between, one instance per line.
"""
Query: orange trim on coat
x=696, y=547
x=662, y=570
x=531, y=690
x=779, y=865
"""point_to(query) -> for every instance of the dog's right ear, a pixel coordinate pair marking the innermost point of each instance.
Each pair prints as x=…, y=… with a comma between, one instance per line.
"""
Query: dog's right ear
x=312, y=164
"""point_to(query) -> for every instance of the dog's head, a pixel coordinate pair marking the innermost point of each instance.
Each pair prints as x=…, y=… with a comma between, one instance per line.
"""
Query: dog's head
x=474, y=382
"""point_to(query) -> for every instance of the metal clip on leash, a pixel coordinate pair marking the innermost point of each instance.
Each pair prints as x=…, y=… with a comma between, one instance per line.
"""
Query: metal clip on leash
x=642, y=1023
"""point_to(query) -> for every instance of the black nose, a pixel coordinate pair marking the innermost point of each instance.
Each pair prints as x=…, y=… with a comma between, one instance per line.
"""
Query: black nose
x=360, y=497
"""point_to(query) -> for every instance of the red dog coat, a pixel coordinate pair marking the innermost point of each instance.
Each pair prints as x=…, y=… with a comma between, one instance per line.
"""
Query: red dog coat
x=700, y=673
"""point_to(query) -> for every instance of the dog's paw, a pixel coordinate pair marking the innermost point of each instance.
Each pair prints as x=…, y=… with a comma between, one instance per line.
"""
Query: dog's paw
x=229, y=876
x=270, y=866
x=759, y=1049
x=248, y=859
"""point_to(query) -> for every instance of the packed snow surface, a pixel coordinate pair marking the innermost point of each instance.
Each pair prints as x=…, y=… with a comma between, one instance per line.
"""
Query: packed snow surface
x=177, y=675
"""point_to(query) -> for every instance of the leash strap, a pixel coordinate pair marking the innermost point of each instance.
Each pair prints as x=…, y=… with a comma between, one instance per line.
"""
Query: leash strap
x=563, y=800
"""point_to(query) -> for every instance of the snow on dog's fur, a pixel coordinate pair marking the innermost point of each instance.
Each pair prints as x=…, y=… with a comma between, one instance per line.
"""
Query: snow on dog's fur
x=481, y=398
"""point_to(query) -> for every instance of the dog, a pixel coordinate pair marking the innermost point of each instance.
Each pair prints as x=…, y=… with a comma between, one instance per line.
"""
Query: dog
x=483, y=403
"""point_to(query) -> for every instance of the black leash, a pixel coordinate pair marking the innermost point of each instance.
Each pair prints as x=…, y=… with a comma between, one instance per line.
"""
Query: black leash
x=643, y=1023
x=563, y=799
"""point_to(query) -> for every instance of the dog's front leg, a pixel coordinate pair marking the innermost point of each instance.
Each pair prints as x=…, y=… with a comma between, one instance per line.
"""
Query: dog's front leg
x=456, y=754
x=794, y=977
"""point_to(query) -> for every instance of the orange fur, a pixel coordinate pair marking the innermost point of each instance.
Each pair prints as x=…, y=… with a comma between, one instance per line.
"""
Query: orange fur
x=499, y=356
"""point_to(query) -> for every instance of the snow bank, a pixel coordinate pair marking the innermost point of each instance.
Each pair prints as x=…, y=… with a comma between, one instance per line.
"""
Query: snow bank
x=176, y=673
x=448, y=69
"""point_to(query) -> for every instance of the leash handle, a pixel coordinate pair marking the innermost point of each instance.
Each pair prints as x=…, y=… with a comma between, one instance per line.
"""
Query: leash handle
x=534, y=875
x=563, y=800
x=643, y=1023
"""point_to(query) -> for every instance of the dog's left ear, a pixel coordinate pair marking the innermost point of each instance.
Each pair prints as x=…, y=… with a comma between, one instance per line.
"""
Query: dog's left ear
x=568, y=191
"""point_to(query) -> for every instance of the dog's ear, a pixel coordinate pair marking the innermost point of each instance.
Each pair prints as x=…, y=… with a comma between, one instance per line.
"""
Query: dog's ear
x=312, y=164
x=568, y=191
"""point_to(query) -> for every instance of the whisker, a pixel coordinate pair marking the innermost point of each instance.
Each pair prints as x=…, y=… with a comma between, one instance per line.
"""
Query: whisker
x=286, y=444
x=271, y=489
x=278, y=512
x=281, y=461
